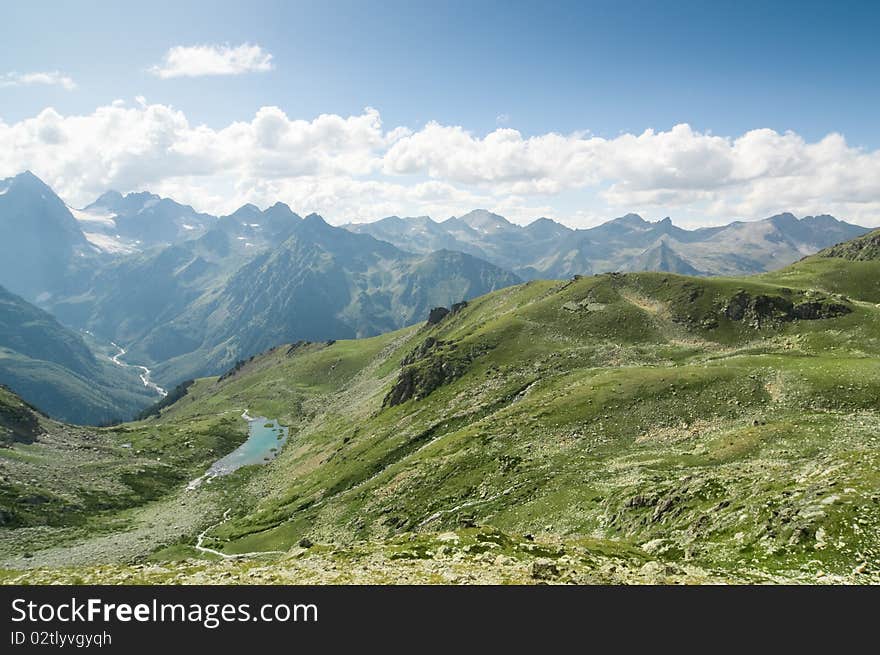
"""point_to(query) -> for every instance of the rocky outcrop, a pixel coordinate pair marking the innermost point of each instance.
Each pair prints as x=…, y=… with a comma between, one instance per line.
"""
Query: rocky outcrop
x=866, y=248
x=814, y=310
x=422, y=350
x=437, y=314
x=763, y=309
x=424, y=370
x=432, y=364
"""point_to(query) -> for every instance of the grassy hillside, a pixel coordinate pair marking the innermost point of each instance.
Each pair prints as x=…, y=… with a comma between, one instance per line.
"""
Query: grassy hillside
x=711, y=429
x=851, y=268
x=863, y=248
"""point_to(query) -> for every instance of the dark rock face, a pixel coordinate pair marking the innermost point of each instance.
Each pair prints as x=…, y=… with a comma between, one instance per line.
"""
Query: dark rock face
x=436, y=315
x=744, y=306
x=814, y=310
x=419, y=381
x=427, y=367
x=763, y=309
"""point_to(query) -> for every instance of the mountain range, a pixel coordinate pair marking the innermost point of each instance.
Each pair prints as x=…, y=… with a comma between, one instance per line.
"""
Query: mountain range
x=188, y=294
x=206, y=307
x=547, y=249
x=643, y=427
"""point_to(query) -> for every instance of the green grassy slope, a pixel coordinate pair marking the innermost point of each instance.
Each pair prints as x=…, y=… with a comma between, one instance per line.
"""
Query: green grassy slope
x=851, y=268
x=727, y=424
x=627, y=407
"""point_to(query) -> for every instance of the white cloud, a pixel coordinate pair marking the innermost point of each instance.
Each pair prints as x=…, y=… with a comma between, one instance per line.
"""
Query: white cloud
x=757, y=173
x=354, y=168
x=50, y=78
x=199, y=60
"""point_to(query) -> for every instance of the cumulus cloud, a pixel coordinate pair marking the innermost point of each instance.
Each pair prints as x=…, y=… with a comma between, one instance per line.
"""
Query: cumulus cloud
x=50, y=78
x=199, y=60
x=356, y=168
x=758, y=172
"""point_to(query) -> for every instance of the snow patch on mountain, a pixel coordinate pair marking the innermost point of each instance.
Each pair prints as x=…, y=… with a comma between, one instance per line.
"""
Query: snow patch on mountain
x=109, y=244
x=98, y=218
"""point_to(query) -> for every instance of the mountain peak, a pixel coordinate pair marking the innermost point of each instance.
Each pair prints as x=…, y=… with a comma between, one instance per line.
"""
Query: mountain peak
x=631, y=220
x=662, y=257
x=141, y=195
x=27, y=180
x=39, y=237
x=546, y=228
x=28, y=175
x=314, y=219
x=484, y=220
x=785, y=218
x=248, y=209
x=108, y=199
x=29, y=189
x=281, y=210
x=824, y=220
x=664, y=226
x=129, y=203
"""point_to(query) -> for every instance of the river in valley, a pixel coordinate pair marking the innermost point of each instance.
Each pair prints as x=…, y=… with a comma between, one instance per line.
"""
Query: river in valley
x=144, y=371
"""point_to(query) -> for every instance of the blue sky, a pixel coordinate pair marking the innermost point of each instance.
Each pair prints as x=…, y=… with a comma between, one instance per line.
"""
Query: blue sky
x=588, y=68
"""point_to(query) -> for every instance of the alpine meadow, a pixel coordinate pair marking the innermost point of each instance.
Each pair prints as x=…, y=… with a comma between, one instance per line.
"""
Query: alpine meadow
x=485, y=293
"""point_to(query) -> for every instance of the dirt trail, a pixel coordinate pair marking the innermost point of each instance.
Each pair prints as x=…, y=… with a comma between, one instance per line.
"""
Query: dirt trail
x=205, y=549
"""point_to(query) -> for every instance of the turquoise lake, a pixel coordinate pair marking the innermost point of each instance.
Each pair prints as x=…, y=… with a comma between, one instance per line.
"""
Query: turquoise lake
x=265, y=440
